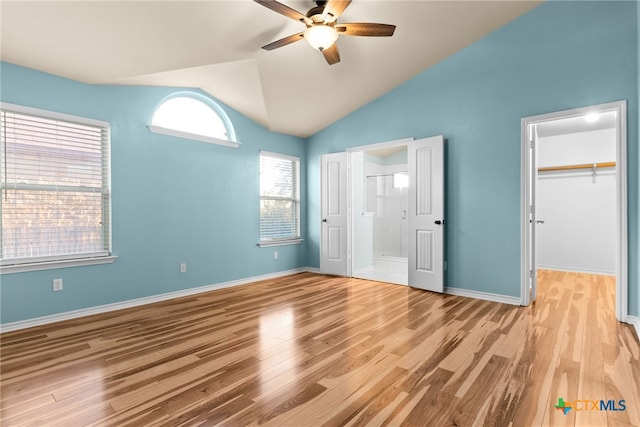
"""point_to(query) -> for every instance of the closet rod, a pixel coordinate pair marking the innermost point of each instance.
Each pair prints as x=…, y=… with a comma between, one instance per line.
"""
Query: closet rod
x=582, y=166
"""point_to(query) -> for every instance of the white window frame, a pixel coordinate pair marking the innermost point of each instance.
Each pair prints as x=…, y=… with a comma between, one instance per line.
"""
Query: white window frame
x=17, y=265
x=230, y=141
x=296, y=200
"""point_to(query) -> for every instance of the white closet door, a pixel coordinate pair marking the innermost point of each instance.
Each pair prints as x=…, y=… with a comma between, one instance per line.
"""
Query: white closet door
x=426, y=213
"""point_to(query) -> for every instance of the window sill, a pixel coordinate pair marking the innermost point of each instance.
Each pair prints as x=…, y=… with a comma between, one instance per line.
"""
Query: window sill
x=192, y=136
x=280, y=243
x=49, y=265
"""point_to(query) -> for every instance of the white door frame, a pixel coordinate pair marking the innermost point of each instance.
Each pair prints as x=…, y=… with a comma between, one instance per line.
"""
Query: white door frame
x=620, y=107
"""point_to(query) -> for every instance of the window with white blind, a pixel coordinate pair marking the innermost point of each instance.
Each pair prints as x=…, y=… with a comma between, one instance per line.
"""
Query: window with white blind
x=54, y=176
x=279, y=199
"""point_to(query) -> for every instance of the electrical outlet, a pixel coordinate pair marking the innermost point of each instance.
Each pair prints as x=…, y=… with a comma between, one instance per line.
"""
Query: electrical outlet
x=275, y=254
x=57, y=284
x=183, y=267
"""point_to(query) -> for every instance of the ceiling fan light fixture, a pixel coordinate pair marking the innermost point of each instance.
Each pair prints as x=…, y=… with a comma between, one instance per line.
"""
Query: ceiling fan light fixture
x=321, y=36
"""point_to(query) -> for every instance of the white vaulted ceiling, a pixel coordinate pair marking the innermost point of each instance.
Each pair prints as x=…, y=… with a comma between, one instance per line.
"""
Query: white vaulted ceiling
x=215, y=46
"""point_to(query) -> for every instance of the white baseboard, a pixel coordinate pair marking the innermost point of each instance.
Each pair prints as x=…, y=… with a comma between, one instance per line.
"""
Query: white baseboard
x=22, y=324
x=482, y=295
x=397, y=259
x=38, y=321
x=361, y=271
x=576, y=270
x=635, y=322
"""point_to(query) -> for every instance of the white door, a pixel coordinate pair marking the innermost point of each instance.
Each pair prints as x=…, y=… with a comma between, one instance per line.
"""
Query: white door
x=426, y=213
x=333, y=240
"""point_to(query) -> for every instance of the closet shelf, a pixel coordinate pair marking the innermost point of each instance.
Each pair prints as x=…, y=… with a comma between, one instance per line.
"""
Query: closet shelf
x=582, y=166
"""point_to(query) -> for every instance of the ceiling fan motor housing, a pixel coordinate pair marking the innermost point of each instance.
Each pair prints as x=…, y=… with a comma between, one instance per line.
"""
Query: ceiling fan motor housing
x=316, y=14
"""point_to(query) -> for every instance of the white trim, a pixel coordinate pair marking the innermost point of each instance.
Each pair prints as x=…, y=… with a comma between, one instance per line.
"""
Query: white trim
x=379, y=145
x=192, y=136
x=52, y=115
x=280, y=156
x=59, y=263
x=349, y=227
x=313, y=270
x=38, y=321
x=398, y=259
x=525, y=183
x=267, y=243
x=504, y=299
x=635, y=322
x=622, y=285
x=361, y=271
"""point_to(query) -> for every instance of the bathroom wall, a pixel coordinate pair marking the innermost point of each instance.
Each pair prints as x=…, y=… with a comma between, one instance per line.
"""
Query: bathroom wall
x=389, y=203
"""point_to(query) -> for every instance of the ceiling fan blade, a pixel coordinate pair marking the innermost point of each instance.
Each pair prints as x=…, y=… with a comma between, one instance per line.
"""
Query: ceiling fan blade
x=284, y=10
x=284, y=41
x=332, y=55
x=335, y=8
x=366, y=29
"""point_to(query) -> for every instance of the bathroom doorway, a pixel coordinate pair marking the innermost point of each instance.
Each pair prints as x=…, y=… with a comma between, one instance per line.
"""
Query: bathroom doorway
x=380, y=189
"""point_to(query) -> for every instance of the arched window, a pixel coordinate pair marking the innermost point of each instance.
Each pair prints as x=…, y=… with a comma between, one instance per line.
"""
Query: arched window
x=193, y=116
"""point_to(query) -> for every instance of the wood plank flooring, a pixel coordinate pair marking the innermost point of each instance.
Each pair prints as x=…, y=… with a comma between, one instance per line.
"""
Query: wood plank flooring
x=312, y=350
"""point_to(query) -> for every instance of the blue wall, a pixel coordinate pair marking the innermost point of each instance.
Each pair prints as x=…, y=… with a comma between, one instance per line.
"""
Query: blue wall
x=174, y=201
x=559, y=56
x=181, y=201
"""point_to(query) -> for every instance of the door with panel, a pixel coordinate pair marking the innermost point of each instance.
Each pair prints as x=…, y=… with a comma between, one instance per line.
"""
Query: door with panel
x=333, y=238
x=426, y=213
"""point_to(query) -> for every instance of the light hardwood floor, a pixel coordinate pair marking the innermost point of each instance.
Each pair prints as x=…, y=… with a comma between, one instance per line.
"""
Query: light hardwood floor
x=315, y=350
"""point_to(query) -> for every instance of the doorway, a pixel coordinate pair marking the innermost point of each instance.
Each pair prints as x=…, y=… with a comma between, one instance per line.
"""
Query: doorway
x=574, y=196
x=340, y=204
x=380, y=201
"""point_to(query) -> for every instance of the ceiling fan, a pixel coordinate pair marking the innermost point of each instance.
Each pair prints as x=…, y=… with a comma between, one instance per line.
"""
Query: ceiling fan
x=323, y=28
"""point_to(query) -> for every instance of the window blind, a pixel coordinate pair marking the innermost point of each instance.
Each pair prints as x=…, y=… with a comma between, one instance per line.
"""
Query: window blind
x=55, y=188
x=279, y=197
